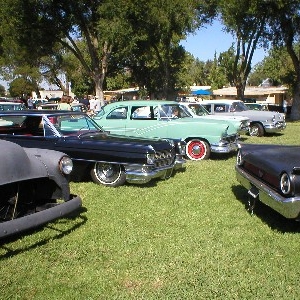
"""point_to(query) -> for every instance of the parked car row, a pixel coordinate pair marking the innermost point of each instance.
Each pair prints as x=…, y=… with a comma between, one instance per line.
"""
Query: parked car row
x=128, y=141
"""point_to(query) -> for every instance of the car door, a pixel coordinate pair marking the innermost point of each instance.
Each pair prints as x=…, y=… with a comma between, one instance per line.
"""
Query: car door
x=146, y=121
x=115, y=121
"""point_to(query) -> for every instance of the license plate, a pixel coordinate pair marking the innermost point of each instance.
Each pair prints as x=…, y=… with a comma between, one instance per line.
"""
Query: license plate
x=254, y=192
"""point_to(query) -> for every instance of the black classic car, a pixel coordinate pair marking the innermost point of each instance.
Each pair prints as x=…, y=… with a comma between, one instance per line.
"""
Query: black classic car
x=271, y=174
x=109, y=160
x=34, y=188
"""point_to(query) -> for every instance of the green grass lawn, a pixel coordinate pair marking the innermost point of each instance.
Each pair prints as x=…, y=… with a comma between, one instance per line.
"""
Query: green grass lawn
x=189, y=237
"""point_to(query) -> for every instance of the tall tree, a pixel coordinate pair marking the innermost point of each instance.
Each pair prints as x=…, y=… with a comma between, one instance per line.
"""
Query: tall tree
x=284, y=22
x=246, y=20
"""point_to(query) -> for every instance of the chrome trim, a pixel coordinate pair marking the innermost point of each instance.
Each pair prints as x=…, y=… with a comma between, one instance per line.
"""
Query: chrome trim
x=288, y=207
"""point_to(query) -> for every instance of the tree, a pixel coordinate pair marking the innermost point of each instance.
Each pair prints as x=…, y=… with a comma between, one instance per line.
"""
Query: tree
x=156, y=58
x=142, y=34
x=284, y=23
x=20, y=87
x=277, y=66
x=248, y=25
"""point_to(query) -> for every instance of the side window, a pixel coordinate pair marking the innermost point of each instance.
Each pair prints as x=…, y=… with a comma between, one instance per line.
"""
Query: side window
x=118, y=113
x=220, y=107
x=141, y=113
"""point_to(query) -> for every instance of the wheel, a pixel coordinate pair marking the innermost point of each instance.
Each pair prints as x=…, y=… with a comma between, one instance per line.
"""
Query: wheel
x=197, y=150
x=108, y=174
x=256, y=129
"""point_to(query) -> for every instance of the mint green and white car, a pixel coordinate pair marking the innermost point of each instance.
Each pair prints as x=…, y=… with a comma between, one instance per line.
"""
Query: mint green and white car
x=166, y=119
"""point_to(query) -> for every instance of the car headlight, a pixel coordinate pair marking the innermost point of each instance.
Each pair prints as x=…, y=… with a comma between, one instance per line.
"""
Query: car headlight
x=181, y=147
x=66, y=165
x=285, y=184
x=150, y=158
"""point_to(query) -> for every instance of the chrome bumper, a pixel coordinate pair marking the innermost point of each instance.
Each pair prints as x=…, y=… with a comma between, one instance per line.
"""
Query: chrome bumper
x=143, y=174
x=270, y=128
x=288, y=207
x=39, y=218
x=227, y=148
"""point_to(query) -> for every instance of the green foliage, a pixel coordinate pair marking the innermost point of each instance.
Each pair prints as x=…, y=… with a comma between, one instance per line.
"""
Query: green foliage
x=20, y=87
x=277, y=66
x=188, y=237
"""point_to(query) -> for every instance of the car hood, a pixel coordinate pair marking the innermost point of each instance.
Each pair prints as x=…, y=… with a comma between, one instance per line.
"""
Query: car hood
x=219, y=117
x=258, y=114
x=110, y=141
x=274, y=159
x=18, y=164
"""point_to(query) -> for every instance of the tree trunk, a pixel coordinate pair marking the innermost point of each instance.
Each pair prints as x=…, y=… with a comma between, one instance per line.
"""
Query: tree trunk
x=240, y=90
x=295, y=112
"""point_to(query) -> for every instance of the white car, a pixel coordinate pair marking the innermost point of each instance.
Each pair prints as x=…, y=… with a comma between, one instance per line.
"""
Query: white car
x=198, y=111
x=5, y=106
x=261, y=122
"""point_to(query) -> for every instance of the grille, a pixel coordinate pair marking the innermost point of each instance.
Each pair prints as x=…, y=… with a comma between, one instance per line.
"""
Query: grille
x=164, y=158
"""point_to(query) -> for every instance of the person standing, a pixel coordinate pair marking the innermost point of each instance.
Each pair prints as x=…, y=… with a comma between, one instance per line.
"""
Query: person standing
x=85, y=101
x=97, y=104
x=92, y=103
x=64, y=103
x=284, y=106
x=30, y=103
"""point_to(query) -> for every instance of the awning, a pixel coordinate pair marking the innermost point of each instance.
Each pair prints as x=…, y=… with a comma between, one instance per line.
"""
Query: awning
x=201, y=92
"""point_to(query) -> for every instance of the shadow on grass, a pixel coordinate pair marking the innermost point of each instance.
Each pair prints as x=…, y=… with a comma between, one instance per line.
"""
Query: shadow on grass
x=57, y=234
x=269, y=216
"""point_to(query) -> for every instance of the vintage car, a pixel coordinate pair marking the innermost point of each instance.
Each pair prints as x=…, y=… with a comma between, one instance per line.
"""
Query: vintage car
x=74, y=107
x=5, y=106
x=198, y=111
x=271, y=174
x=34, y=188
x=109, y=160
x=167, y=119
x=261, y=122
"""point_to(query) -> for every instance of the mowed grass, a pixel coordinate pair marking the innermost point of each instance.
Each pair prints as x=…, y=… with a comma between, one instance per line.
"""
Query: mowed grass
x=189, y=237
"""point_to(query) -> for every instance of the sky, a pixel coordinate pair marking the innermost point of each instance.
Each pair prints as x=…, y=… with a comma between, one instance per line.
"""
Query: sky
x=211, y=39
x=206, y=41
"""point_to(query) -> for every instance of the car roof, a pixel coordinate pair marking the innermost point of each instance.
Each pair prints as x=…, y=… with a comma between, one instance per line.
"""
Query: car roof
x=10, y=103
x=225, y=101
x=142, y=102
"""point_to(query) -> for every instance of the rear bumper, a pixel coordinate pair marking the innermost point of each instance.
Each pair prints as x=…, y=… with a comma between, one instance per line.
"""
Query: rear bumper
x=37, y=219
x=288, y=207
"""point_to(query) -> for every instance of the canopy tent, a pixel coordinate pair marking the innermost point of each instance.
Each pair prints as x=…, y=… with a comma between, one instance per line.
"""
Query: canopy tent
x=201, y=92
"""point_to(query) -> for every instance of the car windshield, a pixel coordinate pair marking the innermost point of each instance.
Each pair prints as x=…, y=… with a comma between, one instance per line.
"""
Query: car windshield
x=238, y=106
x=48, y=125
x=70, y=124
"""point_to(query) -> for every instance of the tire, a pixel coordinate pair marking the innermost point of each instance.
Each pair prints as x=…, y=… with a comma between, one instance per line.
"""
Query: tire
x=108, y=174
x=256, y=129
x=197, y=150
